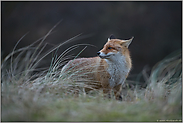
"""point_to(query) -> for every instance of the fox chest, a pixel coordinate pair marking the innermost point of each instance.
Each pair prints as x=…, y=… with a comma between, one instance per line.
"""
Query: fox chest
x=118, y=73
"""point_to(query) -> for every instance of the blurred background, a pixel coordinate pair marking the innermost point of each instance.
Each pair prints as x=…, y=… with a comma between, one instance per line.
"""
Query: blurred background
x=156, y=26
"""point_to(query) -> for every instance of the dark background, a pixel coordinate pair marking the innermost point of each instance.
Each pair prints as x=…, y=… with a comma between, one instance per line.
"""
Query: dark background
x=156, y=26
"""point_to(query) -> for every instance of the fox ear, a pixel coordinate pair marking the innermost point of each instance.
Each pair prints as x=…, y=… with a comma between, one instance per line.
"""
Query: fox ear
x=111, y=37
x=127, y=42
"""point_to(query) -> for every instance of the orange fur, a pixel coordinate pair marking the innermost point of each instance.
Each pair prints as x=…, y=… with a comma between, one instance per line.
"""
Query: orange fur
x=107, y=71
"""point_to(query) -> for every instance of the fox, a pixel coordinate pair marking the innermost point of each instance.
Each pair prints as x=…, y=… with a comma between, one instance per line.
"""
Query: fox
x=107, y=71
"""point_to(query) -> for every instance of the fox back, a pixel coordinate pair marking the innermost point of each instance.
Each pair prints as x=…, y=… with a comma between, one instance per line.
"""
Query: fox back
x=107, y=71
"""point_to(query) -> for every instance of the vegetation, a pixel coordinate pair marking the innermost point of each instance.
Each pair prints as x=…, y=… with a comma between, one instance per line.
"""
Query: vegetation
x=30, y=93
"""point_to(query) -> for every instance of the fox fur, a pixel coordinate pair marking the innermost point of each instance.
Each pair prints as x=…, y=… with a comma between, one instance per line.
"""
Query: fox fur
x=107, y=71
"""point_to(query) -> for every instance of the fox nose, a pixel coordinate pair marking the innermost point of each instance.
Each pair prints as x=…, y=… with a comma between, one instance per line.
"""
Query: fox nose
x=98, y=53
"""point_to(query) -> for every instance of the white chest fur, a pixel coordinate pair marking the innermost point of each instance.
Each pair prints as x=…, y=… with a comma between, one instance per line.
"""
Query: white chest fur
x=118, y=70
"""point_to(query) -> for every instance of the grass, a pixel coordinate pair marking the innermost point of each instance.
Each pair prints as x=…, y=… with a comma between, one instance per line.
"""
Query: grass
x=30, y=93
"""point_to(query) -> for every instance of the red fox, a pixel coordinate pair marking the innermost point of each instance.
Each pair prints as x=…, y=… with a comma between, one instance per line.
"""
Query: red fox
x=107, y=71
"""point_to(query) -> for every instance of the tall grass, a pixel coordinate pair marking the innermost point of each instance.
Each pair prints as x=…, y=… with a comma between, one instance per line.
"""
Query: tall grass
x=30, y=93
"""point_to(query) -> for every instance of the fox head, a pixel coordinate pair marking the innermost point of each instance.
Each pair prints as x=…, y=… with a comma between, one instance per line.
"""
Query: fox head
x=115, y=48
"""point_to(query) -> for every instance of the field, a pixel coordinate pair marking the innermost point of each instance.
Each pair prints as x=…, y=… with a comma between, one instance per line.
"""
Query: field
x=30, y=93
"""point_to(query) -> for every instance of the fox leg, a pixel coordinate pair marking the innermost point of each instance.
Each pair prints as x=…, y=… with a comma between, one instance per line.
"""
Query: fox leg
x=117, y=92
x=106, y=92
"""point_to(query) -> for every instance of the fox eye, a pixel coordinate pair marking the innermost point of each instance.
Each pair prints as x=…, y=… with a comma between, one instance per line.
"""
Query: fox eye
x=109, y=47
